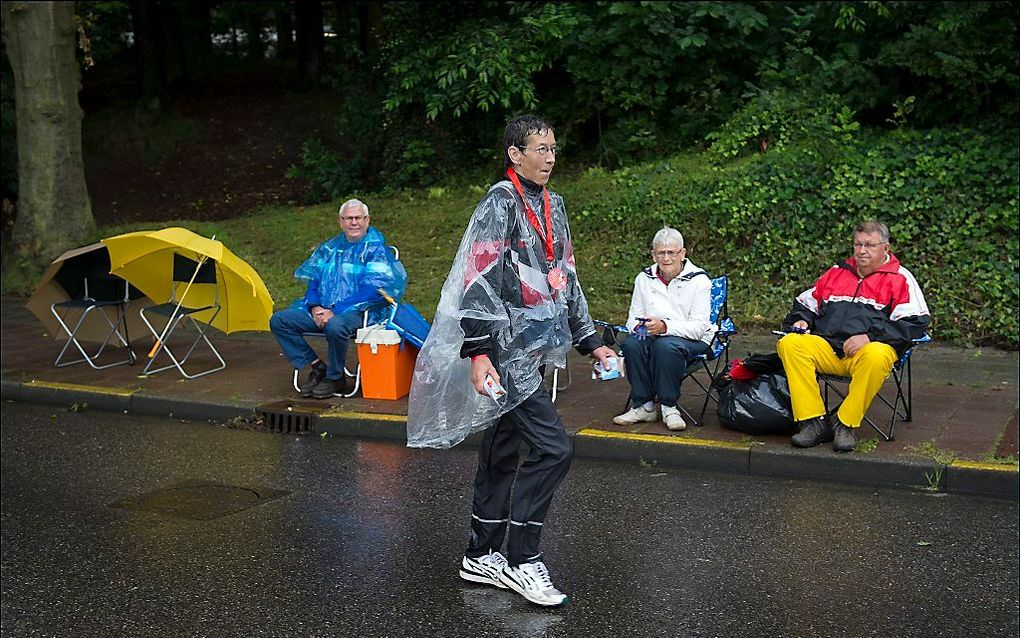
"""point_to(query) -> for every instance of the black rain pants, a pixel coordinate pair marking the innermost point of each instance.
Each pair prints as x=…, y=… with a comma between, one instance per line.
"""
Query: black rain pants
x=536, y=423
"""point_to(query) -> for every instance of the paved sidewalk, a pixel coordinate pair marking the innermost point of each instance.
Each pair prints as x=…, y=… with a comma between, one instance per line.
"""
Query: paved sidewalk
x=964, y=426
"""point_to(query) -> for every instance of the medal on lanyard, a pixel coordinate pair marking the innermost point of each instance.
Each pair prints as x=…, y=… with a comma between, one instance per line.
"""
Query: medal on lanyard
x=557, y=278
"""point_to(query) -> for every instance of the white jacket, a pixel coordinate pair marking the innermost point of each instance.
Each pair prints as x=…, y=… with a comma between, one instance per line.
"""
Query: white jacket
x=685, y=305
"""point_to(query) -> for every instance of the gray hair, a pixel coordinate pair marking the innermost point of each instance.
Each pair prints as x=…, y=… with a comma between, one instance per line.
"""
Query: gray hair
x=667, y=236
x=353, y=202
x=872, y=226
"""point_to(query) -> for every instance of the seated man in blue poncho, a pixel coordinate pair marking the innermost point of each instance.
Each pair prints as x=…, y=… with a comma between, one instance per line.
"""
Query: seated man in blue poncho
x=344, y=275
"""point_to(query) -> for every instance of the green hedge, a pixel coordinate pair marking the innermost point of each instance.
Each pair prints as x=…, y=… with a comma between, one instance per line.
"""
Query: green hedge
x=774, y=220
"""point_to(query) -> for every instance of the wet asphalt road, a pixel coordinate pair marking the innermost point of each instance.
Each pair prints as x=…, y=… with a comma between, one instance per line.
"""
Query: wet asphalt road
x=367, y=539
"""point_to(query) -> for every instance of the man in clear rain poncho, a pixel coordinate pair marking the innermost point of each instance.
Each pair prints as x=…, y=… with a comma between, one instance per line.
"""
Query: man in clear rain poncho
x=510, y=306
x=344, y=275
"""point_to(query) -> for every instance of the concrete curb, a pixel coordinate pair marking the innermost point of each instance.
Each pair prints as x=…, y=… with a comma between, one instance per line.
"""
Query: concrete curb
x=716, y=456
x=819, y=464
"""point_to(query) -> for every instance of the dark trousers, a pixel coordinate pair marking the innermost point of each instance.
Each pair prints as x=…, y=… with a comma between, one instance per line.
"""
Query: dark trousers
x=536, y=423
x=656, y=366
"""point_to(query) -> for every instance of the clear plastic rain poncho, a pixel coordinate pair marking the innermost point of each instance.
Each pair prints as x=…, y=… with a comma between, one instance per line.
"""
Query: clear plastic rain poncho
x=351, y=274
x=498, y=277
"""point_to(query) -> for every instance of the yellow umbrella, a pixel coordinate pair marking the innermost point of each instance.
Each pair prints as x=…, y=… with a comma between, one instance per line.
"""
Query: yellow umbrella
x=146, y=259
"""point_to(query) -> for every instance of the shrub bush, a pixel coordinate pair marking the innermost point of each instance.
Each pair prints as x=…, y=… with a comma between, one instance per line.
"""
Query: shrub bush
x=775, y=220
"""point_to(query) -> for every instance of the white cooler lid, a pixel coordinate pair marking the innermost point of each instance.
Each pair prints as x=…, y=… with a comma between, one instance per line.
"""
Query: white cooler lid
x=377, y=335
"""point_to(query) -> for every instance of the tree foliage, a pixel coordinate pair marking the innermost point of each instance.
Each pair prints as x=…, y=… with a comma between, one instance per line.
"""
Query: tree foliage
x=628, y=81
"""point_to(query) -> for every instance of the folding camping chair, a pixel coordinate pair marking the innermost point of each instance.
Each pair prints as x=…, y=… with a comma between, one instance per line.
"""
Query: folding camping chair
x=698, y=368
x=902, y=404
x=356, y=375
x=185, y=272
x=104, y=295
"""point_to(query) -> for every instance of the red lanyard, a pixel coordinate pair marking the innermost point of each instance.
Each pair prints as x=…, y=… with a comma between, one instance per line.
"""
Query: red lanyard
x=532, y=217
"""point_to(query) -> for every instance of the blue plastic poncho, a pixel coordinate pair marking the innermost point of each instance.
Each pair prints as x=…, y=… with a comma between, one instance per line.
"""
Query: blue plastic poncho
x=346, y=276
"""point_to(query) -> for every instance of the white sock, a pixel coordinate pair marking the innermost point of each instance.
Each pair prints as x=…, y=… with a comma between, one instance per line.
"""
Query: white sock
x=649, y=406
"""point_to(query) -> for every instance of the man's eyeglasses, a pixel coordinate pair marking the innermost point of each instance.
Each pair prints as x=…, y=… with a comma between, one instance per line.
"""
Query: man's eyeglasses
x=353, y=218
x=668, y=253
x=870, y=246
x=542, y=150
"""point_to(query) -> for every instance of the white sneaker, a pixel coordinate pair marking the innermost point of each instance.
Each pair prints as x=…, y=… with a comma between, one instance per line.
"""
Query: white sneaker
x=637, y=415
x=484, y=569
x=532, y=581
x=674, y=421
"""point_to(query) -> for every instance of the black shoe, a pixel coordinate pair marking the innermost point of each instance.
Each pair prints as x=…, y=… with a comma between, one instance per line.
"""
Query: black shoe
x=328, y=387
x=315, y=375
x=812, y=432
x=844, y=439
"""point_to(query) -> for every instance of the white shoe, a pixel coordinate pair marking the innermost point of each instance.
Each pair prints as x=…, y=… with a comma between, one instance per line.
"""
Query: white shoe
x=484, y=569
x=637, y=415
x=674, y=421
x=532, y=581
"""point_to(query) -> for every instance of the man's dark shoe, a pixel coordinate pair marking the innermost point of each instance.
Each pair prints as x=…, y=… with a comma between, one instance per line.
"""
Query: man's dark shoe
x=328, y=387
x=844, y=439
x=812, y=432
x=315, y=375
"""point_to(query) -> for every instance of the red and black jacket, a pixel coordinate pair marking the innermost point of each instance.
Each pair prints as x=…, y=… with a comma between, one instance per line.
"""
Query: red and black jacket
x=886, y=305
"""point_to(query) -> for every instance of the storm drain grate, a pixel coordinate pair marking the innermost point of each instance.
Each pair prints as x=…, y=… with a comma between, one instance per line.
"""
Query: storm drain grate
x=286, y=418
x=200, y=501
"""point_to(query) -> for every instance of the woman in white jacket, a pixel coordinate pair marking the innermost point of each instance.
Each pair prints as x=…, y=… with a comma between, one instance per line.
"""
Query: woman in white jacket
x=669, y=325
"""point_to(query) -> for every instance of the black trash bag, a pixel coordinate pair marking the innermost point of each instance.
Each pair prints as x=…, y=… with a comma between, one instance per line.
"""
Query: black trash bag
x=758, y=406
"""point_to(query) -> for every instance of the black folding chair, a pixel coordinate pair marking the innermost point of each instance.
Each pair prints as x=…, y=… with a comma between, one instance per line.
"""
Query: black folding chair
x=175, y=312
x=99, y=293
x=902, y=404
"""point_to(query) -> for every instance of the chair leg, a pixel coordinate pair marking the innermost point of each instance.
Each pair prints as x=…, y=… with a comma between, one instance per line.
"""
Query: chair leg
x=200, y=328
x=910, y=397
x=357, y=381
x=831, y=412
x=86, y=357
x=708, y=391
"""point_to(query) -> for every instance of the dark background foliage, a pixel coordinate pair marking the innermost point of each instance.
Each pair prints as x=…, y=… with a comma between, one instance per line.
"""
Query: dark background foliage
x=764, y=130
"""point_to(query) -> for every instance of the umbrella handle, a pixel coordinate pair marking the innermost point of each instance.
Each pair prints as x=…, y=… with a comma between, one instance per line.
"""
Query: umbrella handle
x=386, y=296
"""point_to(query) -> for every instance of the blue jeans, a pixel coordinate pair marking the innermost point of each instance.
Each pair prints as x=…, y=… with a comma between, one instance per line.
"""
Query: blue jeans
x=656, y=366
x=288, y=325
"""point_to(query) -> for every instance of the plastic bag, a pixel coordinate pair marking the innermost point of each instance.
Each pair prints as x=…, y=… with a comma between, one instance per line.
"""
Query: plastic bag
x=758, y=406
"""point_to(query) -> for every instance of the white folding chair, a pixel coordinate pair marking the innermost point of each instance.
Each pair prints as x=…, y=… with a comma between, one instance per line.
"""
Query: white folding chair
x=356, y=375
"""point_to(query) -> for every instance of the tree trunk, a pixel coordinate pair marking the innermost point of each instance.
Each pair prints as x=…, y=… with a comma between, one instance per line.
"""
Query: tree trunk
x=172, y=55
x=309, y=42
x=253, y=29
x=147, y=46
x=284, y=33
x=370, y=36
x=54, y=212
x=197, y=25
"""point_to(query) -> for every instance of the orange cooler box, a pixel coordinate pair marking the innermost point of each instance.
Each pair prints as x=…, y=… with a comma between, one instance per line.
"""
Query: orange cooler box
x=386, y=364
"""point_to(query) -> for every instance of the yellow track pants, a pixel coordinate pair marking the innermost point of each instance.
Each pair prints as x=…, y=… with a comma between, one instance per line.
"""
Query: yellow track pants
x=805, y=354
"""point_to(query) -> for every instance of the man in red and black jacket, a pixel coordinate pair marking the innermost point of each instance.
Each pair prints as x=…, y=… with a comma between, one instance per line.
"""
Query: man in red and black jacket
x=857, y=319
